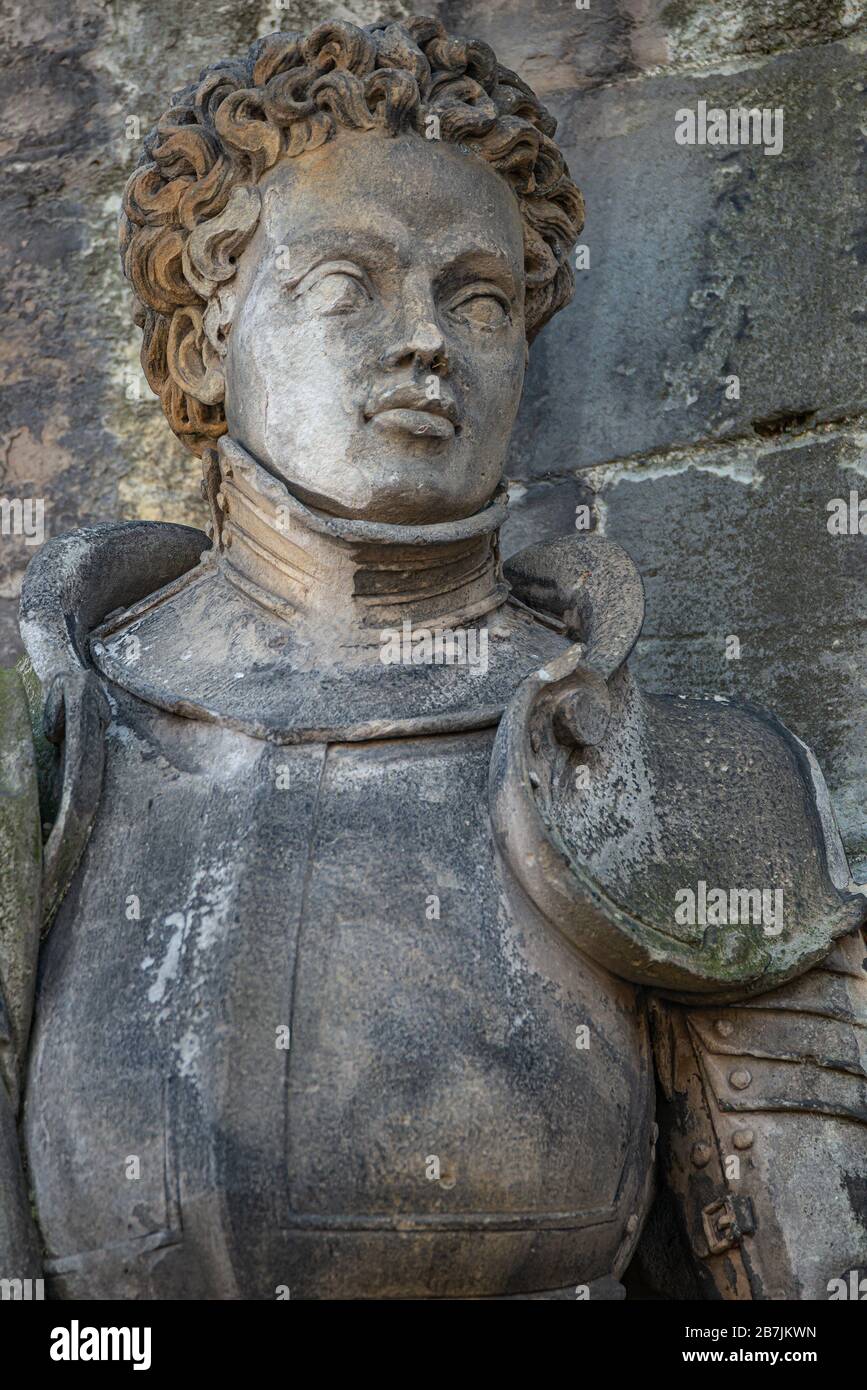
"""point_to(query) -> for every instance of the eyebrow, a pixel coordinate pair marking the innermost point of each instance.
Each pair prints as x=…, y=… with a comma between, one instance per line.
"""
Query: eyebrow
x=485, y=262
x=337, y=242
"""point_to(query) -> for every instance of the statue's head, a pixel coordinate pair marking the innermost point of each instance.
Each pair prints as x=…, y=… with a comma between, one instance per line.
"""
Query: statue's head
x=341, y=246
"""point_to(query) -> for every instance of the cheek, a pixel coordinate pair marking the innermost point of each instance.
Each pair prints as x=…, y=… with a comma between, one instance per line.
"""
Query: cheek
x=495, y=379
x=292, y=359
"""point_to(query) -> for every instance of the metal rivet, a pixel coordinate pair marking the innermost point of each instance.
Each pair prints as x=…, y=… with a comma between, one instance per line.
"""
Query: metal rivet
x=701, y=1153
x=743, y=1139
x=740, y=1079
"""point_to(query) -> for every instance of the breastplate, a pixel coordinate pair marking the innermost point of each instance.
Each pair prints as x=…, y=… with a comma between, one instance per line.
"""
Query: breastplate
x=327, y=1049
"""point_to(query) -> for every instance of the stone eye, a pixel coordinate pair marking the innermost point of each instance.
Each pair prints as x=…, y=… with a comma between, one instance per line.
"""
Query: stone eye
x=480, y=308
x=336, y=292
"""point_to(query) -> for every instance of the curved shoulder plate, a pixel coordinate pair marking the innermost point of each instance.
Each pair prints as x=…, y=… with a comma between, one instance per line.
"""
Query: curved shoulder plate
x=70, y=586
x=77, y=579
x=683, y=844
x=592, y=586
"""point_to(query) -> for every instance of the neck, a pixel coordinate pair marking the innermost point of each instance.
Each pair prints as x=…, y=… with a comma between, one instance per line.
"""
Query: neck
x=330, y=575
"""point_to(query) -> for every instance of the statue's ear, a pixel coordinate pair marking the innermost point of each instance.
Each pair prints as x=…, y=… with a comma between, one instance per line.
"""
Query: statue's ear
x=193, y=358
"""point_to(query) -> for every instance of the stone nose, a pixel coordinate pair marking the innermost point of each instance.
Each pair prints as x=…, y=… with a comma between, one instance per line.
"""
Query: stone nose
x=423, y=345
x=419, y=340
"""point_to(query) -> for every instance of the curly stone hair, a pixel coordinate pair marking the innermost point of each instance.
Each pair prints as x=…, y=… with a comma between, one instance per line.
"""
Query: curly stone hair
x=190, y=206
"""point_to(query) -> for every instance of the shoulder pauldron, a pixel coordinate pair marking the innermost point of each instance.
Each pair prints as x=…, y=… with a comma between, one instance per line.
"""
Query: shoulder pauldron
x=687, y=844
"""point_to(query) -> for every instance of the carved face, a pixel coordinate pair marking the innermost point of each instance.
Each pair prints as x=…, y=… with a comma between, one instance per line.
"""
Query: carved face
x=376, y=352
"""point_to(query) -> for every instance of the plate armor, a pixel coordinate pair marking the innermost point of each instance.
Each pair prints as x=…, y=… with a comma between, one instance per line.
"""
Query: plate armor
x=349, y=977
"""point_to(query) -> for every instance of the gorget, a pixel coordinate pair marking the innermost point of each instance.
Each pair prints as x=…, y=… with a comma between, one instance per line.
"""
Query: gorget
x=300, y=626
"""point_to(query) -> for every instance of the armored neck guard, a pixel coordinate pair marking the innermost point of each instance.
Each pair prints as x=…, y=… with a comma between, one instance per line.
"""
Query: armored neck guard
x=341, y=582
x=296, y=626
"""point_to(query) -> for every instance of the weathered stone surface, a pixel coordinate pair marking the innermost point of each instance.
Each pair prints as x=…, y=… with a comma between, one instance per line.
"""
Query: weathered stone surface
x=561, y=48
x=732, y=541
x=706, y=262
x=737, y=545
x=543, y=510
x=700, y=32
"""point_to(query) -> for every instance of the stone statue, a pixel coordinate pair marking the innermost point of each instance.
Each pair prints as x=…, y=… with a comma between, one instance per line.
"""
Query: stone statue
x=364, y=881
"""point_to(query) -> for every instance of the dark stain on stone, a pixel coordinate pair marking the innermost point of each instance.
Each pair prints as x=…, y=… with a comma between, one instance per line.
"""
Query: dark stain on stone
x=856, y=1190
x=784, y=422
